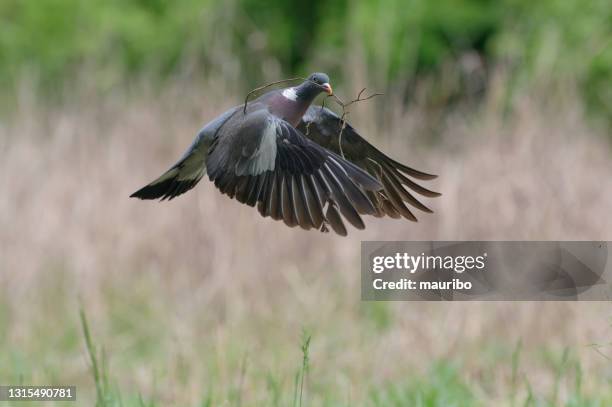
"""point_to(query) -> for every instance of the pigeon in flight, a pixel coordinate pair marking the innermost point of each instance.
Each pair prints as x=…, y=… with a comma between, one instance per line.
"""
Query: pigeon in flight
x=284, y=156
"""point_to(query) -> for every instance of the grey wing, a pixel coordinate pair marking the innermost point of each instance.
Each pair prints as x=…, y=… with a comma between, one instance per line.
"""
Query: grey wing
x=323, y=126
x=189, y=169
x=262, y=160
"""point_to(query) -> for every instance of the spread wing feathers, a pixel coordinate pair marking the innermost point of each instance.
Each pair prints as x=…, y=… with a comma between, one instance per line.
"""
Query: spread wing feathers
x=323, y=126
x=181, y=177
x=264, y=161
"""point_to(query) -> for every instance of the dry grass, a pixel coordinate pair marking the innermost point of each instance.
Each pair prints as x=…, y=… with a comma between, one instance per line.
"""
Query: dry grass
x=182, y=293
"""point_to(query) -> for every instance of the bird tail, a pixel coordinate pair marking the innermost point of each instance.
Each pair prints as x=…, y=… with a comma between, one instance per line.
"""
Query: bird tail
x=169, y=185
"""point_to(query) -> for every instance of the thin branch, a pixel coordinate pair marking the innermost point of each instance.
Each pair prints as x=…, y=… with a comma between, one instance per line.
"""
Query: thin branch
x=356, y=100
x=339, y=101
x=246, y=100
x=345, y=112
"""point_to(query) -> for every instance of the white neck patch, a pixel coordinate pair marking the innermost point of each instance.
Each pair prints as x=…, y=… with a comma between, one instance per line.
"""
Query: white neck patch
x=290, y=94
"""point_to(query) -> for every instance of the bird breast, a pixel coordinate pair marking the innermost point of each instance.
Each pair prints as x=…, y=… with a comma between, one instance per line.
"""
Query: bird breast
x=287, y=109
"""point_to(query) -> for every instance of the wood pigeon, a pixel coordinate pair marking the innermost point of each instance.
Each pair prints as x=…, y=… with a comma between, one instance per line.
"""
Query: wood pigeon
x=284, y=155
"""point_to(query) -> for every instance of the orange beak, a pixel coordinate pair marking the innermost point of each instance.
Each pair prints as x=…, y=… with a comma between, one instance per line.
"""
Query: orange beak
x=327, y=88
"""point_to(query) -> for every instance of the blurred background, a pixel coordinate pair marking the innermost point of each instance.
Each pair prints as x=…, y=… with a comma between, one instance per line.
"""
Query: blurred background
x=200, y=301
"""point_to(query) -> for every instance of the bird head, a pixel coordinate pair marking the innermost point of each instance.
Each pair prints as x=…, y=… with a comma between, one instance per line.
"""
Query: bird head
x=308, y=90
x=321, y=81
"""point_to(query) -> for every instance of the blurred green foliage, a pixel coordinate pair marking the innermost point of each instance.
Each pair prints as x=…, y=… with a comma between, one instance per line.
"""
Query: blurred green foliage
x=548, y=43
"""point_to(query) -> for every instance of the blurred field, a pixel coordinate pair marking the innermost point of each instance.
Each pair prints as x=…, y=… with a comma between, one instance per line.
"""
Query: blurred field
x=200, y=301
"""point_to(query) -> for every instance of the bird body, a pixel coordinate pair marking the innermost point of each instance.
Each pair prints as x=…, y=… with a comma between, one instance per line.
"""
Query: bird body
x=284, y=156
